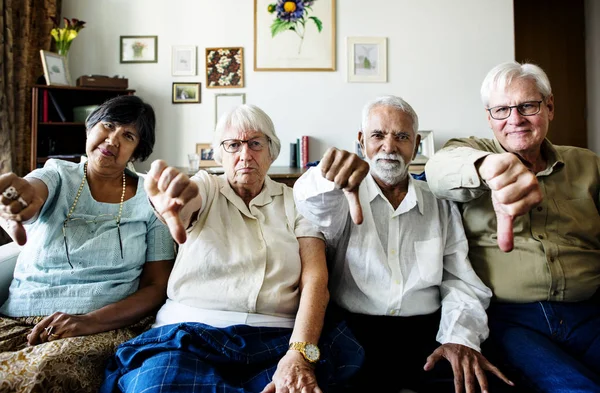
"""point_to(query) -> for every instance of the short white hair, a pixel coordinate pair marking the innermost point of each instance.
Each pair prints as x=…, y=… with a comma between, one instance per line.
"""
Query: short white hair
x=246, y=117
x=393, y=101
x=502, y=75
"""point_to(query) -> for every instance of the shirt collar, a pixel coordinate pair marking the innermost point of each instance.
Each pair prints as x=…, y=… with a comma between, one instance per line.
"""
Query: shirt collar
x=269, y=190
x=414, y=196
x=553, y=157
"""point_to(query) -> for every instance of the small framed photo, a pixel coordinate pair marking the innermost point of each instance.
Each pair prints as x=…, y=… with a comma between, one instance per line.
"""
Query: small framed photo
x=226, y=102
x=183, y=61
x=139, y=49
x=205, y=151
x=367, y=59
x=186, y=93
x=224, y=67
x=426, y=147
x=56, y=71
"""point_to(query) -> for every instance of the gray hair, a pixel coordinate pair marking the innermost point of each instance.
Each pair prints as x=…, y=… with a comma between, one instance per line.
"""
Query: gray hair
x=392, y=101
x=501, y=76
x=246, y=117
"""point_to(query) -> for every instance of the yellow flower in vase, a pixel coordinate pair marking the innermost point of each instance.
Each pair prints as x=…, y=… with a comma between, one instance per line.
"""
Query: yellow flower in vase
x=64, y=36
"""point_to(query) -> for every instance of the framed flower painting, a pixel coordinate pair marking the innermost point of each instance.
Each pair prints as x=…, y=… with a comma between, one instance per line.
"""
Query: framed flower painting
x=295, y=35
x=139, y=49
x=224, y=67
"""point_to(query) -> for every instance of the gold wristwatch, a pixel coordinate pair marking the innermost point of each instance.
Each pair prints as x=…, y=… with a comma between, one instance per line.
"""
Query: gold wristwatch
x=311, y=352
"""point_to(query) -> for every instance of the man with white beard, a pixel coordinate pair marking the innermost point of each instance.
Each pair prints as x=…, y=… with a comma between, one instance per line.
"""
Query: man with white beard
x=399, y=271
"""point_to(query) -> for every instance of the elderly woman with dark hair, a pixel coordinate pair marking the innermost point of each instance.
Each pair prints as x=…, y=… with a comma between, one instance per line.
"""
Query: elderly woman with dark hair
x=95, y=260
x=248, y=292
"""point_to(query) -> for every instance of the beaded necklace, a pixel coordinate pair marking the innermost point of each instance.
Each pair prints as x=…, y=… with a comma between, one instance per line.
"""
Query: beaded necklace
x=72, y=209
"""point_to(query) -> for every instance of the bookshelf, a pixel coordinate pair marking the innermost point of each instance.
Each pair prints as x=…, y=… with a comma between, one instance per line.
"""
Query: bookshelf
x=54, y=133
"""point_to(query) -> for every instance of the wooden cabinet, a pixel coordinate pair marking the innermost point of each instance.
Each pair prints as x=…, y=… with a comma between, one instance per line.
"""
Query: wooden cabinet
x=54, y=131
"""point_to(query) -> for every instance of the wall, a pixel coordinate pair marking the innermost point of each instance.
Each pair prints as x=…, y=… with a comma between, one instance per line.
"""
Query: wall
x=438, y=53
x=592, y=33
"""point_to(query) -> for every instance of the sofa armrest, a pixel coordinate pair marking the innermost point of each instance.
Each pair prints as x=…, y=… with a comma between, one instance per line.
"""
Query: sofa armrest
x=8, y=259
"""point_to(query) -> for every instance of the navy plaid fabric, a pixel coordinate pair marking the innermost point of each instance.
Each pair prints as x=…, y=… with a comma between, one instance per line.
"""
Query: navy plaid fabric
x=194, y=357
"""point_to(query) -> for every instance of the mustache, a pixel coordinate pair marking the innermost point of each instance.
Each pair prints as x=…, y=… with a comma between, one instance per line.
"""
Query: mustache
x=391, y=156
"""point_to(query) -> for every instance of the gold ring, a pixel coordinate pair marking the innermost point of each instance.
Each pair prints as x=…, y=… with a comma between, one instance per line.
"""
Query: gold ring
x=53, y=336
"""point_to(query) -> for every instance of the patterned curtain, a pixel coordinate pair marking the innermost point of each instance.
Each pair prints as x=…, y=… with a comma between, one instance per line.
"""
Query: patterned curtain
x=24, y=29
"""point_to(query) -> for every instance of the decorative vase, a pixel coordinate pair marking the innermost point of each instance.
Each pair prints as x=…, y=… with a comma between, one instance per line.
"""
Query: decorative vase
x=62, y=48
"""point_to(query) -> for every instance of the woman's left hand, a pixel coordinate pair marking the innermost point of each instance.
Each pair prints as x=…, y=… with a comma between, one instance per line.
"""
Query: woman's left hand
x=60, y=325
x=293, y=374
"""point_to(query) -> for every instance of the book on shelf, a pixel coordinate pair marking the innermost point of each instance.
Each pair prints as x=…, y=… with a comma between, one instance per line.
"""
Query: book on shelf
x=56, y=106
x=304, y=140
x=293, y=156
x=45, y=106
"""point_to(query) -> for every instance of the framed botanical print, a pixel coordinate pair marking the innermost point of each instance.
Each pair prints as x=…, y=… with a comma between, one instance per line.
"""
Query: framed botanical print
x=224, y=67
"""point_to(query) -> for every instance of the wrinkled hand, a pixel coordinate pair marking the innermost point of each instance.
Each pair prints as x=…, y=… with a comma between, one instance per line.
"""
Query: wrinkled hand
x=22, y=207
x=515, y=191
x=293, y=374
x=347, y=171
x=63, y=326
x=169, y=190
x=468, y=367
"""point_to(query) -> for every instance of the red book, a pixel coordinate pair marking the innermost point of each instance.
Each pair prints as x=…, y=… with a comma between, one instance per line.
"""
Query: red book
x=45, y=106
x=304, y=151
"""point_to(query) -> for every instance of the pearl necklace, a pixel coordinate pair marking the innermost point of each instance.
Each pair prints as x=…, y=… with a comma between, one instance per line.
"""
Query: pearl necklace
x=118, y=219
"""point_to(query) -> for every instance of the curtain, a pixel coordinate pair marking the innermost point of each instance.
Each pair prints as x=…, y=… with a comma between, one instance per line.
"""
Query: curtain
x=25, y=29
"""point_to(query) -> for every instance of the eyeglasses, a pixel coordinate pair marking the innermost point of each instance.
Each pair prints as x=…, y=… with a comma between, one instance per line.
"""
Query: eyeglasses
x=528, y=108
x=78, y=223
x=255, y=144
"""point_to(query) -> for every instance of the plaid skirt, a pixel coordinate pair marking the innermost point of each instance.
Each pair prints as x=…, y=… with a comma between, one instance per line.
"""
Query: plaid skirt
x=74, y=364
x=194, y=357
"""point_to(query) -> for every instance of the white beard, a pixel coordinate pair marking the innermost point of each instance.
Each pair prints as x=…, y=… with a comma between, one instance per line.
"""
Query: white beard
x=391, y=173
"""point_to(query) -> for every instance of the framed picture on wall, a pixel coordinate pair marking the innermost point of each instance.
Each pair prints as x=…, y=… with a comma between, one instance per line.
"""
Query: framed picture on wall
x=183, y=60
x=205, y=152
x=226, y=102
x=55, y=67
x=139, y=49
x=224, y=67
x=186, y=93
x=367, y=59
x=426, y=147
x=294, y=35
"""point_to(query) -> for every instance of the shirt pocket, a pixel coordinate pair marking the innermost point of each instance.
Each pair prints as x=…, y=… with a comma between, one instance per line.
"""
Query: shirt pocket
x=579, y=222
x=429, y=257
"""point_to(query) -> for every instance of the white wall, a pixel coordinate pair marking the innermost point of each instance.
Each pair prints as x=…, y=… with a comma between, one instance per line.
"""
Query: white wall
x=438, y=53
x=592, y=34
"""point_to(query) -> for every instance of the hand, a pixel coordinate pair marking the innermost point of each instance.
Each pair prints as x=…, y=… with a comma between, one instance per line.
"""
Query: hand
x=18, y=202
x=169, y=190
x=347, y=171
x=293, y=374
x=60, y=325
x=467, y=365
x=515, y=191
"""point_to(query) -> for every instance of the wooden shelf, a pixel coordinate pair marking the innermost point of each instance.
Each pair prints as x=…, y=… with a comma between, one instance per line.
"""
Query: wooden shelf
x=61, y=123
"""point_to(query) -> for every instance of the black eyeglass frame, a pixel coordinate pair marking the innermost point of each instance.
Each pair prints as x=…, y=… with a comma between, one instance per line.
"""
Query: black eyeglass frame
x=64, y=231
x=510, y=108
x=222, y=144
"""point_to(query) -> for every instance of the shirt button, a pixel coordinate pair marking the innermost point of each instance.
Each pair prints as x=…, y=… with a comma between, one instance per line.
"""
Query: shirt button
x=551, y=259
x=541, y=236
x=393, y=252
x=539, y=208
x=555, y=293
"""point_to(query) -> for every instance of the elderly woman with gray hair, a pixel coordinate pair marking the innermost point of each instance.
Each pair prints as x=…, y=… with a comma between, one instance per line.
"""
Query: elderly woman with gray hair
x=248, y=293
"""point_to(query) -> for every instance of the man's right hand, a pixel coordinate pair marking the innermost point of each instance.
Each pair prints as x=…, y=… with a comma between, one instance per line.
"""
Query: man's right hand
x=169, y=191
x=515, y=191
x=347, y=171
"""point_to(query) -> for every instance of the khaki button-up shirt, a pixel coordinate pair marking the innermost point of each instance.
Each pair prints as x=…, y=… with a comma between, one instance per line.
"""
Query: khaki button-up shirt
x=556, y=253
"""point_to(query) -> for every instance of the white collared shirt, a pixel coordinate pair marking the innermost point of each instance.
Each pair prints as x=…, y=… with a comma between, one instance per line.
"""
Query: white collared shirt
x=402, y=262
x=237, y=258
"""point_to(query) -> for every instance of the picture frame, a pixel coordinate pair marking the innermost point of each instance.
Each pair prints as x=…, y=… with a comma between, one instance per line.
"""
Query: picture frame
x=306, y=44
x=224, y=67
x=367, y=59
x=186, y=93
x=205, y=151
x=426, y=147
x=56, y=70
x=183, y=60
x=226, y=102
x=138, y=49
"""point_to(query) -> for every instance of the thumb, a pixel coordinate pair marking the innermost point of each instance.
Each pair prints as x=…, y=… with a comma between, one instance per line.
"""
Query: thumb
x=355, y=208
x=432, y=360
x=175, y=226
x=16, y=230
x=270, y=388
x=504, y=231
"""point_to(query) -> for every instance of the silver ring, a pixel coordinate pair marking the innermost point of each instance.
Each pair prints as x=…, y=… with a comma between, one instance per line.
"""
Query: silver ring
x=49, y=329
x=22, y=202
x=10, y=193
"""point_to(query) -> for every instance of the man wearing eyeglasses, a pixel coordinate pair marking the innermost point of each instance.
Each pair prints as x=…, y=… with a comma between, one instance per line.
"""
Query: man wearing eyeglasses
x=531, y=213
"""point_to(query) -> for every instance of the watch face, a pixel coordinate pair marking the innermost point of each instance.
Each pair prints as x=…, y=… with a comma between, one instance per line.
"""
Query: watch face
x=312, y=352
